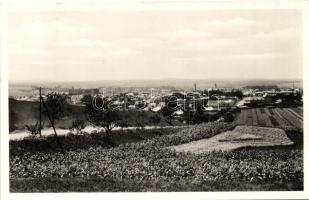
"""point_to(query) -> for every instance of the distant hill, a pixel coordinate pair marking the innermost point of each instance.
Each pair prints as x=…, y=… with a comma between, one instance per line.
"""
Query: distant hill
x=262, y=87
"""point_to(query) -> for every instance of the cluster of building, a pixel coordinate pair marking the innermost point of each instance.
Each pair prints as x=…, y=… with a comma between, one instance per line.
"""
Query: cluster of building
x=278, y=97
x=155, y=99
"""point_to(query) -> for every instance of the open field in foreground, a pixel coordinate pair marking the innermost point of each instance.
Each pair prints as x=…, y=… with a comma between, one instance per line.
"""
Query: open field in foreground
x=241, y=136
x=148, y=165
x=271, y=117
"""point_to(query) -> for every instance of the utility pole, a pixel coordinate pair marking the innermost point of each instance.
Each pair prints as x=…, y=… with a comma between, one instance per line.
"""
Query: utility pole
x=103, y=92
x=125, y=101
x=40, y=89
x=193, y=105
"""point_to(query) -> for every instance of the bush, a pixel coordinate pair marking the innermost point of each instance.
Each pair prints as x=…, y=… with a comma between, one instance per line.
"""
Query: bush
x=78, y=125
x=228, y=117
x=33, y=129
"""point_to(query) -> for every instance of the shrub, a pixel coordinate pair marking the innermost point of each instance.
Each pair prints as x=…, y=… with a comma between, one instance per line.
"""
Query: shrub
x=33, y=129
x=78, y=125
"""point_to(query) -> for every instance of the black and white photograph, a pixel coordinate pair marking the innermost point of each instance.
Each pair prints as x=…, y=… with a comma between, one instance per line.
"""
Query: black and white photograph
x=154, y=99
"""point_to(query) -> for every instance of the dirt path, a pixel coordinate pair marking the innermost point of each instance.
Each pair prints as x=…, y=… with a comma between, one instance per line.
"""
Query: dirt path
x=20, y=135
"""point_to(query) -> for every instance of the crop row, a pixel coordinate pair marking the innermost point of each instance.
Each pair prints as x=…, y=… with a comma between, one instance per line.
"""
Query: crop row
x=290, y=118
x=298, y=110
x=270, y=117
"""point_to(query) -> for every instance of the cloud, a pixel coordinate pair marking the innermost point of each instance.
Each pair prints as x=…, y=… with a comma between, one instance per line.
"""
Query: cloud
x=237, y=21
x=185, y=33
x=123, y=52
x=30, y=51
x=122, y=44
x=36, y=26
x=190, y=33
x=272, y=55
x=277, y=34
x=240, y=21
x=84, y=43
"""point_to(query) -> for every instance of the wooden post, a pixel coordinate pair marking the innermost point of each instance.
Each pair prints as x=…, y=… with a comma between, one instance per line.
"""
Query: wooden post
x=125, y=101
x=40, y=111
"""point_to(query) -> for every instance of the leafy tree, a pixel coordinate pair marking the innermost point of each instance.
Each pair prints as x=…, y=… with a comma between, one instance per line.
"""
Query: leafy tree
x=107, y=120
x=56, y=105
x=100, y=114
x=86, y=99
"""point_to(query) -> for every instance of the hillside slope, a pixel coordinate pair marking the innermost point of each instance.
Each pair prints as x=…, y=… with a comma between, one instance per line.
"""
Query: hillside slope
x=27, y=112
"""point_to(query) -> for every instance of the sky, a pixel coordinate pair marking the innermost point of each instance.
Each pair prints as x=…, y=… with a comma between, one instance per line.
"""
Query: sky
x=144, y=45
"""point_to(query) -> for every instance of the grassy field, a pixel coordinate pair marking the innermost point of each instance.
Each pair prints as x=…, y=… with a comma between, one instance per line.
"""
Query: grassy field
x=271, y=117
x=148, y=165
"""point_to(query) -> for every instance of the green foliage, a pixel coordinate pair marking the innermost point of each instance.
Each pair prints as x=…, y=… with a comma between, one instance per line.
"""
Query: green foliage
x=234, y=93
x=86, y=99
x=102, y=115
x=168, y=115
x=33, y=129
x=56, y=104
